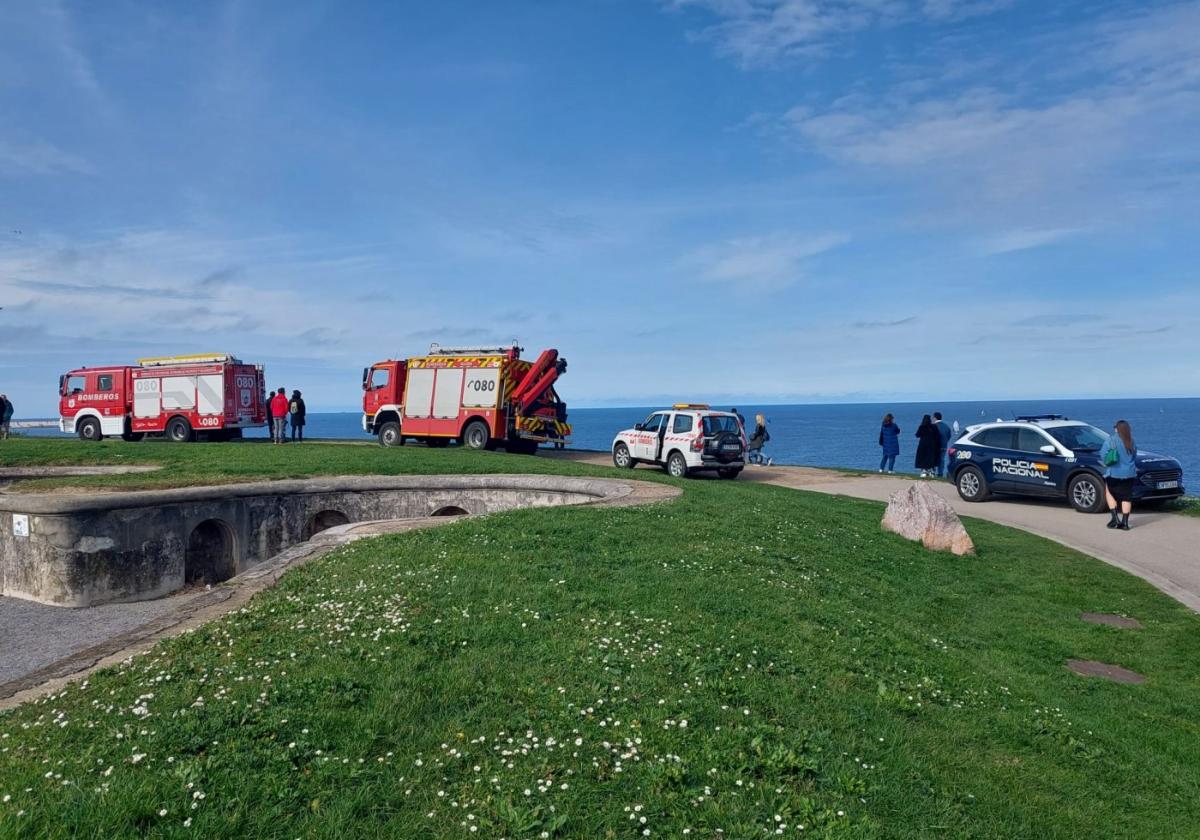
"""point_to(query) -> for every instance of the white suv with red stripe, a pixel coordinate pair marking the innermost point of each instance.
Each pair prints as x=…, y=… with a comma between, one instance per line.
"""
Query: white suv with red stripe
x=684, y=439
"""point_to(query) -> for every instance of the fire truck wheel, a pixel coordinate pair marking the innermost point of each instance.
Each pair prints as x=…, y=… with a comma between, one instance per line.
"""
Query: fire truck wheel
x=89, y=429
x=389, y=434
x=677, y=466
x=179, y=430
x=621, y=457
x=476, y=435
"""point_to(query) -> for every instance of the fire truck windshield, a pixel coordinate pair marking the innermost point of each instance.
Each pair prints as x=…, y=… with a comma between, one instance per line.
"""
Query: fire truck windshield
x=74, y=384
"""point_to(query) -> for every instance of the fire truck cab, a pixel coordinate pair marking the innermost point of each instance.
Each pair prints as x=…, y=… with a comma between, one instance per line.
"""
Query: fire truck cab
x=176, y=396
x=483, y=397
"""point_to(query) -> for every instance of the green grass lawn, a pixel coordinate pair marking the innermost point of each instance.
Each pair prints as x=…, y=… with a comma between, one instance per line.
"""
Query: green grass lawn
x=744, y=662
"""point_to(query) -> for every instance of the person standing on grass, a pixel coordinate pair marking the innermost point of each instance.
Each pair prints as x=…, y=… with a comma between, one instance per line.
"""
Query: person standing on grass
x=889, y=441
x=943, y=429
x=297, y=411
x=6, y=412
x=927, y=446
x=1119, y=456
x=279, y=415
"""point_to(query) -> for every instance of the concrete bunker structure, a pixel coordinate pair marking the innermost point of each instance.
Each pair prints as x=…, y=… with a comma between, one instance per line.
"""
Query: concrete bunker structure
x=76, y=550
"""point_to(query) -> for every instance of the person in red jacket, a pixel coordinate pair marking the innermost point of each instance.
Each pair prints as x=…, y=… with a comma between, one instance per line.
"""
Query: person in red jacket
x=279, y=413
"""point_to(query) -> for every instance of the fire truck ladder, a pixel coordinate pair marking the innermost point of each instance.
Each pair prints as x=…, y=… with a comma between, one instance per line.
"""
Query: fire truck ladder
x=194, y=359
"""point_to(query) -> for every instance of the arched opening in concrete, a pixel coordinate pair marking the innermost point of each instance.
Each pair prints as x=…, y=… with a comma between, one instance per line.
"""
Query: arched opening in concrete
x=209, y=557
x=323, y=521
x=449, y=510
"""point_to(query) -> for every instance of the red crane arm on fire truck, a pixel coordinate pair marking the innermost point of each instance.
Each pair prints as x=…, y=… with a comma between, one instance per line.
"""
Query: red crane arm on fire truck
x=535, y=392
x=543, y=363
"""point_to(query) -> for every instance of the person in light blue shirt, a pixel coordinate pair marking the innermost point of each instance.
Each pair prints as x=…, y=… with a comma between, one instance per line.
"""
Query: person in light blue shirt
x=1119, y=456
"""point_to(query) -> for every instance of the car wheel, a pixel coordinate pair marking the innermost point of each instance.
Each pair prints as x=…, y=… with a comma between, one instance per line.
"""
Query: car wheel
x=729, y=473
x=179, y=430
x=971, y=485
x=1086, y=493
x=476, y=435
x=676, y=466
x=389, y=434
x=621, y=457
x=89, y=429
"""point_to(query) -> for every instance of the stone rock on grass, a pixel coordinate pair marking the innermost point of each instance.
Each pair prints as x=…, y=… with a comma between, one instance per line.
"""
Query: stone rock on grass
x=918, y=513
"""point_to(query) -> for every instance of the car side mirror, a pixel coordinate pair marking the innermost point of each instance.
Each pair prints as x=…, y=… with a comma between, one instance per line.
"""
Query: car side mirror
x=637, y=427
x=1049, y=449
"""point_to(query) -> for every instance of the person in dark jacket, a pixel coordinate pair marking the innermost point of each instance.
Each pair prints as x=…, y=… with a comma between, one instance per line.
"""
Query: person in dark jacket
x=6, y=413
x=889, y=441
x=928, y=441
x=758, y=440
x=297, y=411
x=944, y=433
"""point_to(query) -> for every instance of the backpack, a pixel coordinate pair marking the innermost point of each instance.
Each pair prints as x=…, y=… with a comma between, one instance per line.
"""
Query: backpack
x=294, y=407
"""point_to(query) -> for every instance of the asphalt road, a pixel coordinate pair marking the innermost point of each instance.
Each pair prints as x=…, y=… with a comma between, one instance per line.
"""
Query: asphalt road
x=1161, y=548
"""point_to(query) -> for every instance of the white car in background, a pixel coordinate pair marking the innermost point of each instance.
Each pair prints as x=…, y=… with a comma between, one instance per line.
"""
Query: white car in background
x=685, y=438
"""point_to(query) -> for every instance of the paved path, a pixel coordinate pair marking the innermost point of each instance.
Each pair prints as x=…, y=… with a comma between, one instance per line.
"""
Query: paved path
x=1162, y=548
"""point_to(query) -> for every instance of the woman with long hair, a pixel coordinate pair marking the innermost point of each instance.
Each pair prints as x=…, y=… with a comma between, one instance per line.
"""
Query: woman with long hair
x=928, y=443
x=758, y=440
x=889, y=442
x=1119, y=456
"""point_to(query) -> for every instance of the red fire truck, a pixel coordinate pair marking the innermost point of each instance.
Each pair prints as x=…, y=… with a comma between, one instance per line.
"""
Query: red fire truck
x=177, y=396
x=483, y=397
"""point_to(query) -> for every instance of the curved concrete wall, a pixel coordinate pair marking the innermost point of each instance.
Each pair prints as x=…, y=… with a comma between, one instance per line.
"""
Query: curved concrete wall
x=77, y=551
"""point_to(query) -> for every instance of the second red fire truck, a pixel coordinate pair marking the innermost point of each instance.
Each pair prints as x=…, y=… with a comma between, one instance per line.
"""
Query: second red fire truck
x=482, y=397
x=214, y=395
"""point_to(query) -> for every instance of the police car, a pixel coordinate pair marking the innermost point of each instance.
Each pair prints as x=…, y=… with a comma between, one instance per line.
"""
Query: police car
x=1050, y=456
x=685, y=438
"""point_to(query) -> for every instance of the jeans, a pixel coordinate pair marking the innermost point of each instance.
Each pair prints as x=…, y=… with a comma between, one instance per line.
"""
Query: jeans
x=887, y=463
x=941, y=467
x=297, y=431
x=279, y=424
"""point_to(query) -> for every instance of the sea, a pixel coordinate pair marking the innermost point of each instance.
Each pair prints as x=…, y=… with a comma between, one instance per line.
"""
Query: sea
x=847, y=435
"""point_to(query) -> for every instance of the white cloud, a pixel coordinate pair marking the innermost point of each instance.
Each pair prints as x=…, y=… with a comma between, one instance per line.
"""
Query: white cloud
x=761, y=32
x=40, y=158
x=1023, y=240
x=762, y=263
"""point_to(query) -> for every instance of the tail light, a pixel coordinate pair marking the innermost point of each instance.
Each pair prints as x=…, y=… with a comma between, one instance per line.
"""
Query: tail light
x=698, y=443
x=950, y=452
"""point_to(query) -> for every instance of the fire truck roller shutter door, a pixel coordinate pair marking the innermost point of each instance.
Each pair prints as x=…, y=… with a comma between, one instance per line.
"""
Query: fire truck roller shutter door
x=210, y=394
x=480, y=388
x=418, y=396
x=447, y=397
x=147, y=397
x=178, y=393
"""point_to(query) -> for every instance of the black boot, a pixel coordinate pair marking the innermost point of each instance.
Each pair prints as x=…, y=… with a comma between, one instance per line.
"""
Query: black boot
x=1124, y=526
x=1114, y=521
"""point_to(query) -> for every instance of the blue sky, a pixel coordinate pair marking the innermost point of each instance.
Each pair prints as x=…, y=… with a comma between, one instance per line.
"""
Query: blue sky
x=750, y=200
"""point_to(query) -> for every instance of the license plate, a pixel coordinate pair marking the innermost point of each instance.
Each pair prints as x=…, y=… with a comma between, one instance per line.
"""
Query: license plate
x=1167, y=485
x=732, y=447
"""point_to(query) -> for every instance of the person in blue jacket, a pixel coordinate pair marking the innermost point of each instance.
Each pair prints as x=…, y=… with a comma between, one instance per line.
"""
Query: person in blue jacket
x=1119, y=456
x=889, y=440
